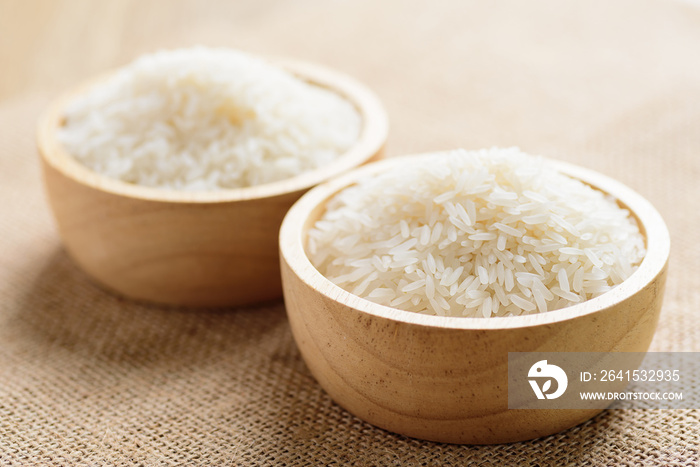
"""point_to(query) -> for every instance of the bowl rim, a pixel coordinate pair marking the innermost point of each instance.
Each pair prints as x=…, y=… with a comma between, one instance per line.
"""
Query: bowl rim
x=297, y=221
x=371, y=141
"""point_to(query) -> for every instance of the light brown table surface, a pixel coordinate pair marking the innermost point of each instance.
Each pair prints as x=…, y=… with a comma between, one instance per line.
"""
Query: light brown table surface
x=90, y=379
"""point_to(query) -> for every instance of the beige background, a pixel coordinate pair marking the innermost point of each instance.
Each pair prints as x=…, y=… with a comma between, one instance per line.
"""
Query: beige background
x=87, y=378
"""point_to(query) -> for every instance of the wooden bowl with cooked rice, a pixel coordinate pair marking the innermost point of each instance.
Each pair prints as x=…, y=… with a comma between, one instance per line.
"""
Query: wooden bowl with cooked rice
x=445, y=378
x=189, y=243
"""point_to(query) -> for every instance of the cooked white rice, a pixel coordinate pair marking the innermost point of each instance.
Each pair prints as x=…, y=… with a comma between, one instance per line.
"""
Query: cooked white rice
x=484, y=233
x=205, y=119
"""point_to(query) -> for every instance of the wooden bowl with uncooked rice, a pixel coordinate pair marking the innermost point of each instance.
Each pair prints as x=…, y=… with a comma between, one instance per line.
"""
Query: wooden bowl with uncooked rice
x=408, y=281
x=169, y=178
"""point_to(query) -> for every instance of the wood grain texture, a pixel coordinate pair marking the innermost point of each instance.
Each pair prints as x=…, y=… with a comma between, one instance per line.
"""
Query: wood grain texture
x=214, y=248
x=446, y=379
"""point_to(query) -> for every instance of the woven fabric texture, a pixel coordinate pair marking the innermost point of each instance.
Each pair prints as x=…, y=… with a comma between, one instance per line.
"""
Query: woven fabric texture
x=87, y=378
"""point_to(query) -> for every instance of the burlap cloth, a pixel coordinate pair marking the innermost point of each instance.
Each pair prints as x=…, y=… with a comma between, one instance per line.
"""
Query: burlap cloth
x=88, y=378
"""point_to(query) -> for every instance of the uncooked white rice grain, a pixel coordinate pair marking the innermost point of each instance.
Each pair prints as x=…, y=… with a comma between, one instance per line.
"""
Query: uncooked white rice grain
x=206, y=119
x=484, y=233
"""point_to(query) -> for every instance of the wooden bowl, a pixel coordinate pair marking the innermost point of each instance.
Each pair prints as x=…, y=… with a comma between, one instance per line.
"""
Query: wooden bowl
x=214, y=248
x=446, y=379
